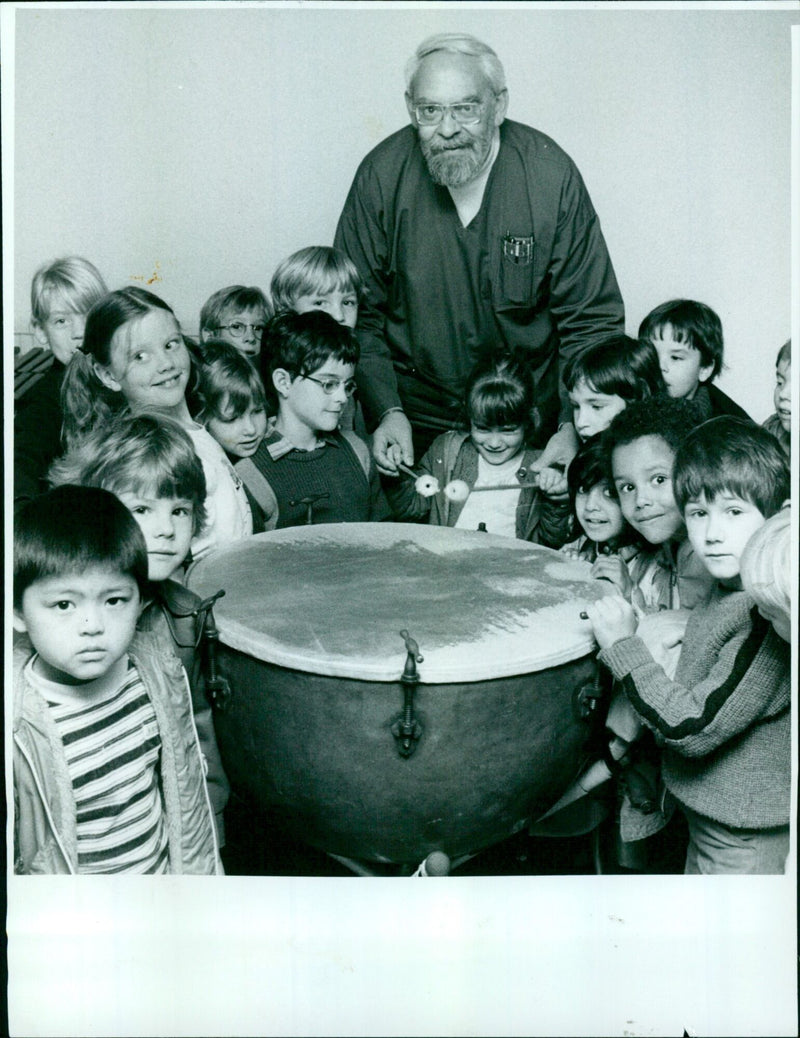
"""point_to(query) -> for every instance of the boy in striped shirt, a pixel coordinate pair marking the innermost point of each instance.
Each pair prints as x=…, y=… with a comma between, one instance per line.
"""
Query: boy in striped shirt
x=108, y=776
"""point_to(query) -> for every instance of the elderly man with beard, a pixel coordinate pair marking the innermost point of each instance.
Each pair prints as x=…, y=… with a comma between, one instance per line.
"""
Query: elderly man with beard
x=470, y=232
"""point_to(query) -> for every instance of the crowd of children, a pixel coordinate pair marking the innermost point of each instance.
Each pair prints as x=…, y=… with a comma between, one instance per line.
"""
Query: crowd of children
x=141, y=450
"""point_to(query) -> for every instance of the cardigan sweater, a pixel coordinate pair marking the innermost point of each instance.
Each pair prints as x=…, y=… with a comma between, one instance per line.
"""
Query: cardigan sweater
x=724, y=721
x=452, y=456
x=339, y=479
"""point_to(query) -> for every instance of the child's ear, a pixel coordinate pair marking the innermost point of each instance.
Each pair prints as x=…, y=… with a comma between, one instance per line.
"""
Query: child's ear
x=39, y=334
x=282, y=381
x=705, y=373
x=106, y=377
x=18, y=621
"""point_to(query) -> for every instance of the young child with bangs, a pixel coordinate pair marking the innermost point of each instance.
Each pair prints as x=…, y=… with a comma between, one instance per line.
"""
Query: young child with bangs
x=319, y=277
x=148, y=461
x=604, y=538
x=307, y=469
x=62, y=293
x=134, y=355
x=641, y=444
x=723, y=722
x=606, y=377
x=688, y=338
x=229, y=401
x=108, y=772
x=484, y=478
x=236, y=314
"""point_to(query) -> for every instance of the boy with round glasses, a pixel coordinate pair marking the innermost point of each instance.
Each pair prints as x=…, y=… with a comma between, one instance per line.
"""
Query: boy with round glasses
x=308, y=470
x=236, y=315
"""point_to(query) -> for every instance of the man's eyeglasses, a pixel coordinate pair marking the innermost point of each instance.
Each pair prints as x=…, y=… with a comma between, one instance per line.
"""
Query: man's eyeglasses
x=330, y=385
x=238, y=328
x=464, y=112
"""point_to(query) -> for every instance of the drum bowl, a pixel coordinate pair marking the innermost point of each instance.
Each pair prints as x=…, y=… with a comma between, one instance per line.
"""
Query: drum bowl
x=312, y=630
x=319, y=753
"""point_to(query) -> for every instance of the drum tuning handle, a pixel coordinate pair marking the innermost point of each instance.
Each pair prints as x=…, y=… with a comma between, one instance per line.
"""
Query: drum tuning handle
x=586, y=698
x=412, y=648
x=218, y=689
x=407, y=729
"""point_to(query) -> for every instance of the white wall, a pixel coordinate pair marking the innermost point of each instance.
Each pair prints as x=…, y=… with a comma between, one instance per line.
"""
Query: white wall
x=202, y=145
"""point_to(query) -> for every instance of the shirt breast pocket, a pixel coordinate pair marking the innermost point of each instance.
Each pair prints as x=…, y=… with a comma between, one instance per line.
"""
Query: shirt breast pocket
x=516, y=281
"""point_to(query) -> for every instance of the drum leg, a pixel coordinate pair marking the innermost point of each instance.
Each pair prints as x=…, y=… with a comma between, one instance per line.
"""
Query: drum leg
x=597, y=856
x=436, y=864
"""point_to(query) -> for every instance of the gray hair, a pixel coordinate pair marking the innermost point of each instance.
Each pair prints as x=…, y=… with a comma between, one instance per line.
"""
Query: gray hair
x=458, y=43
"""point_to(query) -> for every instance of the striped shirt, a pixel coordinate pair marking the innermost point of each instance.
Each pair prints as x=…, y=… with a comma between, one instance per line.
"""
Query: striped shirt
x=112, y=748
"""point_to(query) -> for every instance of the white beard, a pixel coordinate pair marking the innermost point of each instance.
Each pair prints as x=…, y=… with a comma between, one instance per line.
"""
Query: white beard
x=454, y=167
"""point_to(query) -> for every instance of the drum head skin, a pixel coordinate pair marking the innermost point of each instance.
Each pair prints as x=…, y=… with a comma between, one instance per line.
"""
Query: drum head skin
x=333, y=599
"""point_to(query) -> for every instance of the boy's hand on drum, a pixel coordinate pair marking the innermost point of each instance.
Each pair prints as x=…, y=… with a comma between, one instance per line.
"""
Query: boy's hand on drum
x=614, y=570
x=612, y=618
x=393, y=434
x=553, y=482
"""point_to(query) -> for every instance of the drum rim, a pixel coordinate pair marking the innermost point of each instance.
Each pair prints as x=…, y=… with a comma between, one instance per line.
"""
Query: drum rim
x=436, y=669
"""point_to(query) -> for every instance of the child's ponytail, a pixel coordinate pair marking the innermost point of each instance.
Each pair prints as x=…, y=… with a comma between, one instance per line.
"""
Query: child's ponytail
x=85, y=402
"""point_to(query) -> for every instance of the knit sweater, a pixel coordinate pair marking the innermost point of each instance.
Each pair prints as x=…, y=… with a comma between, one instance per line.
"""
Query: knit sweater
x=724, y=721
x=338, y=481
x=453, y=456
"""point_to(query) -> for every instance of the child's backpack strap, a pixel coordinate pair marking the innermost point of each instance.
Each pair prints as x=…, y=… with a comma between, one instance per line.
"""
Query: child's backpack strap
x=260, y=488
x=359, y=447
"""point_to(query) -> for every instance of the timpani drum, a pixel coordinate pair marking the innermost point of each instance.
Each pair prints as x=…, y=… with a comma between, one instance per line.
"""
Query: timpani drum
x=401, y=688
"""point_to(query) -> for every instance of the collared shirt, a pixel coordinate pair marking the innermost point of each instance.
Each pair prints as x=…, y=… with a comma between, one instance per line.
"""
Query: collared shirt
x=279, y=446
x=326, y=485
